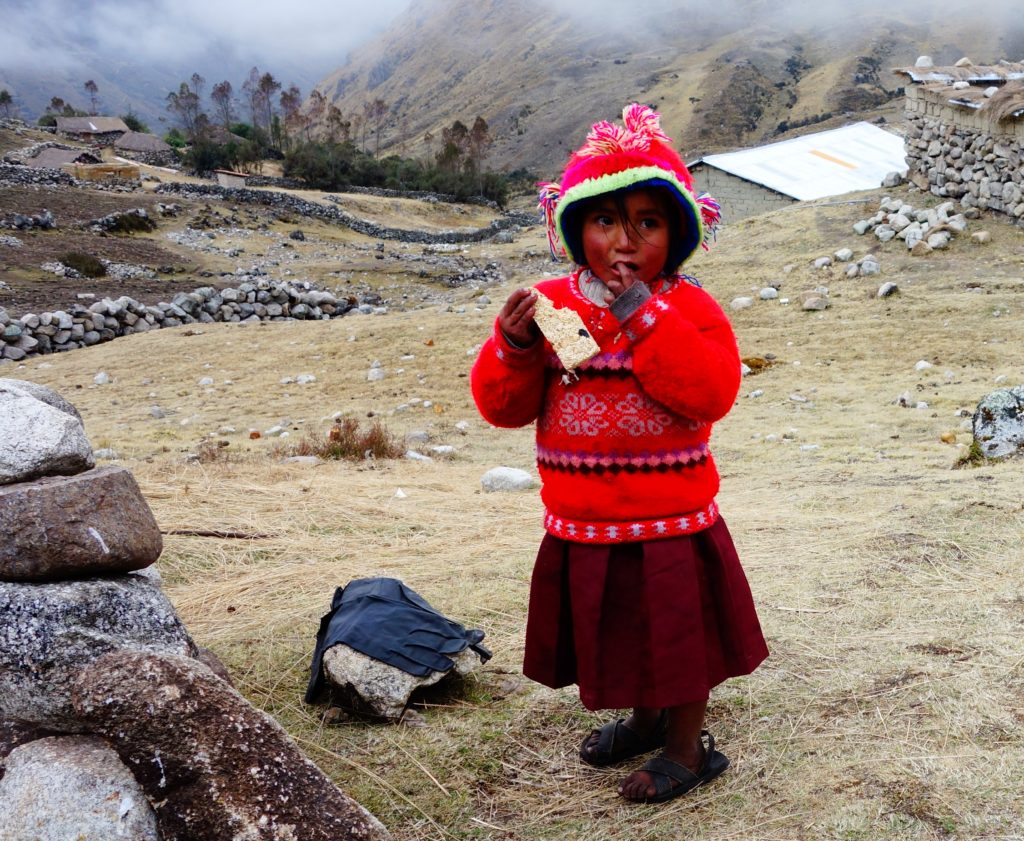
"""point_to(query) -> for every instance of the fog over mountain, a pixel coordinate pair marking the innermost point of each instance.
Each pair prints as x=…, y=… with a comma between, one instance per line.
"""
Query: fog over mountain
x=138, y=50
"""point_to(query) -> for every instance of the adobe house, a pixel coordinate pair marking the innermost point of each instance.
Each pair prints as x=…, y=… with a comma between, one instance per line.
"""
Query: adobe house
x=102, y=131
x=812, y=166
x=230, y=178
x=965, y=132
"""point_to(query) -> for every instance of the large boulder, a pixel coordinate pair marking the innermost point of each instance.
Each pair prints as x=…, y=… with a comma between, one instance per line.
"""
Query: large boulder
x=73, y=787
x=51, y=631
x=69, y=526
x=214, y=767
x=39, y=437
x=385, y=689
x=999, y=423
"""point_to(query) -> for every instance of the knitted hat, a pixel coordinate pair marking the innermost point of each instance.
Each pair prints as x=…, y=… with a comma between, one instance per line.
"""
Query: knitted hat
x=619, y=158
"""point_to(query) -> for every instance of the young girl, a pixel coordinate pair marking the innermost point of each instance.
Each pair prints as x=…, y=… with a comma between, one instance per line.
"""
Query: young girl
x=637, y=593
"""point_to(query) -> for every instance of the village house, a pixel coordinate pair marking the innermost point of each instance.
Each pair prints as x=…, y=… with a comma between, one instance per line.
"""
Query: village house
x=146, y=148
x=101, y=131
x=965, y=132
x=812, y=166
x=230, y=178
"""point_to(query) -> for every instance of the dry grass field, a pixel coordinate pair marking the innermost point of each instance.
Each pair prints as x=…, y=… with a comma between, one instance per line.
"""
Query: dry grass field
x=889, y=583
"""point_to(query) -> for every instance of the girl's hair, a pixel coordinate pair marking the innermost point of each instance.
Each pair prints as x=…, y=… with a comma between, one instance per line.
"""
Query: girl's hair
x=572, y=220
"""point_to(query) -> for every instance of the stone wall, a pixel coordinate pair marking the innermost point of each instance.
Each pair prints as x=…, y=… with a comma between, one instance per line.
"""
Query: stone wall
x=336, y=215
x=961, y=154
x=738, y=198
x=262, y=300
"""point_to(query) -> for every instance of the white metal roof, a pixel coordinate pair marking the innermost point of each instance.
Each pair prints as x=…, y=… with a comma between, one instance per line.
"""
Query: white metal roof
x=828, y=163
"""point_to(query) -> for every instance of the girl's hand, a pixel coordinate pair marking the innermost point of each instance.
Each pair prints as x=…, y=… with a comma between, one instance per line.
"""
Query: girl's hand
x=618, y=285
x=516, y=318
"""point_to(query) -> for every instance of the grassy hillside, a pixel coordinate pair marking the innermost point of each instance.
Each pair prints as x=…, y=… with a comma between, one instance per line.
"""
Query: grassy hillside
x=888, y=582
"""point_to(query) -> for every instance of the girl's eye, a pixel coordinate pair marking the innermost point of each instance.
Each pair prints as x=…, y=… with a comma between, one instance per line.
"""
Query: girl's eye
x=650, y=223
x=603, y=219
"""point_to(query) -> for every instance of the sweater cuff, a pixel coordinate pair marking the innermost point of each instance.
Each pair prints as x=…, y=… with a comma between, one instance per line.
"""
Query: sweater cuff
x=626, y=305
x=512, y=354
x=645, y=317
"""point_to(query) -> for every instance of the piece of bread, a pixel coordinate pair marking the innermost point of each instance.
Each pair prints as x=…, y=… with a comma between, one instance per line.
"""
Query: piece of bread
x=566, y=332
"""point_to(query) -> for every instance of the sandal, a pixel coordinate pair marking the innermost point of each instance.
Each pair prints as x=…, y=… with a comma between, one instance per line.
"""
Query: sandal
x=674, y=780
x=616, y=742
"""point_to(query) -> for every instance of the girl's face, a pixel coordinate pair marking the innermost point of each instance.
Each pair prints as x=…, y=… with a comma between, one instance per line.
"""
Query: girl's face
x=631, y=236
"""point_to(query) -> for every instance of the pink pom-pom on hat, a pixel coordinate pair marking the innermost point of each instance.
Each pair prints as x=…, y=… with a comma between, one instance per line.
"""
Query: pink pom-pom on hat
x=615, y=158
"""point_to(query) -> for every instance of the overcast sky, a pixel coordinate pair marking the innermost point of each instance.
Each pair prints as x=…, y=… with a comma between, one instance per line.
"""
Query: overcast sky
x=313, y=33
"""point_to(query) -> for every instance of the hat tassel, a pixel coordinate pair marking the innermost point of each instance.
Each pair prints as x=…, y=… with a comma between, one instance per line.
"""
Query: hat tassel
x=550, y=193
x=710, y=217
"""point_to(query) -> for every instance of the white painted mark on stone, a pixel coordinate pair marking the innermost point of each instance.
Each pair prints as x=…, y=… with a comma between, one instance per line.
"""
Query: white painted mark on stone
x=100, y=540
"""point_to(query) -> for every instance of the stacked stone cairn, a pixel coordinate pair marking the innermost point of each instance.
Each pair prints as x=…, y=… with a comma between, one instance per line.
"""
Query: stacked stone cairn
x=113, y=724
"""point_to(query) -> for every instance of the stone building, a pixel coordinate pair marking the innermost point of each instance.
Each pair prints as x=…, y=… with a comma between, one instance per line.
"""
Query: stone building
x=812, y=166
x=965, y=132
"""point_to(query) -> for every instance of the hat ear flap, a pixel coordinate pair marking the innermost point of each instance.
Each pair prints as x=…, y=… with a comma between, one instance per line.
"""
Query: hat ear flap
x=550, y=193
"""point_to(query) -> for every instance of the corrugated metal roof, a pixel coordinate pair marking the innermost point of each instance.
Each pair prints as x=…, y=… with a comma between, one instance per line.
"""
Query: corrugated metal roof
x=1005, y=71
x=828, y=163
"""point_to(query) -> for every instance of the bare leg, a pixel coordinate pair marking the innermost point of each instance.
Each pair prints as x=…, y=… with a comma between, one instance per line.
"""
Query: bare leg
x=684, y=746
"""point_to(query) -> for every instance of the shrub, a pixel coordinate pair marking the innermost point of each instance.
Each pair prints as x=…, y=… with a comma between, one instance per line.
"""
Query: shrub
x=346, y=440
x=84, y=264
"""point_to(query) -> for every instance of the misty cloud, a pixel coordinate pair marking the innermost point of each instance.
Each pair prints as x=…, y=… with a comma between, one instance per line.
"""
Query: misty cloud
x=317, y=33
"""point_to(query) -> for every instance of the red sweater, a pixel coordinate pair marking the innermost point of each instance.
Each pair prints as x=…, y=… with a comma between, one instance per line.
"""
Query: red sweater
x=622, y=451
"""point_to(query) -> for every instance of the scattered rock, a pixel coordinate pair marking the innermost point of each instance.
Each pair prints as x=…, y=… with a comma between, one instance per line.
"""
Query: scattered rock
x=507, y=479
x=769, y=293
x=887, y=289
x=981, y=237
x=741, y=303
x=383, y=688
x=998, y=423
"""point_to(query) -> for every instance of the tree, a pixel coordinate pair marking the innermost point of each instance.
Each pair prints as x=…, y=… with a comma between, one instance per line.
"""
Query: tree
x=268, y=86
x=134, y=123
x=338, y=128
x=251, y=89
x=454, y=146
x=378, y=113
x=222, y=102
x=291, y=107
x=6, y=101
x=315, y=110
x=184, y=104
x=479, y=143
x=93, y=90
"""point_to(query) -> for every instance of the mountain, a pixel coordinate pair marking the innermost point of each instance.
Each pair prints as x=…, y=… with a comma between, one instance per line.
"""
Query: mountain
x=540, y=74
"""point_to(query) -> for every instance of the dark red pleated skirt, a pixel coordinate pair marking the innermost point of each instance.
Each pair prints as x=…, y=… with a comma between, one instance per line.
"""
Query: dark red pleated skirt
x=653, y=624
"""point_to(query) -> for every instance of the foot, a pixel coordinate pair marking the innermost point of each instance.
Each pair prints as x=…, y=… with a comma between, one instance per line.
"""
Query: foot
x=640, y=785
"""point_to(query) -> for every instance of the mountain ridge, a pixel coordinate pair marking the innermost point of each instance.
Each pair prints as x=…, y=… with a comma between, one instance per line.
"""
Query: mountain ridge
x=540, y=75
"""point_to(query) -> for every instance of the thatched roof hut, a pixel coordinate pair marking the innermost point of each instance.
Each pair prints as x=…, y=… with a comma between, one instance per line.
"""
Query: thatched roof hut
x=135, y=141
